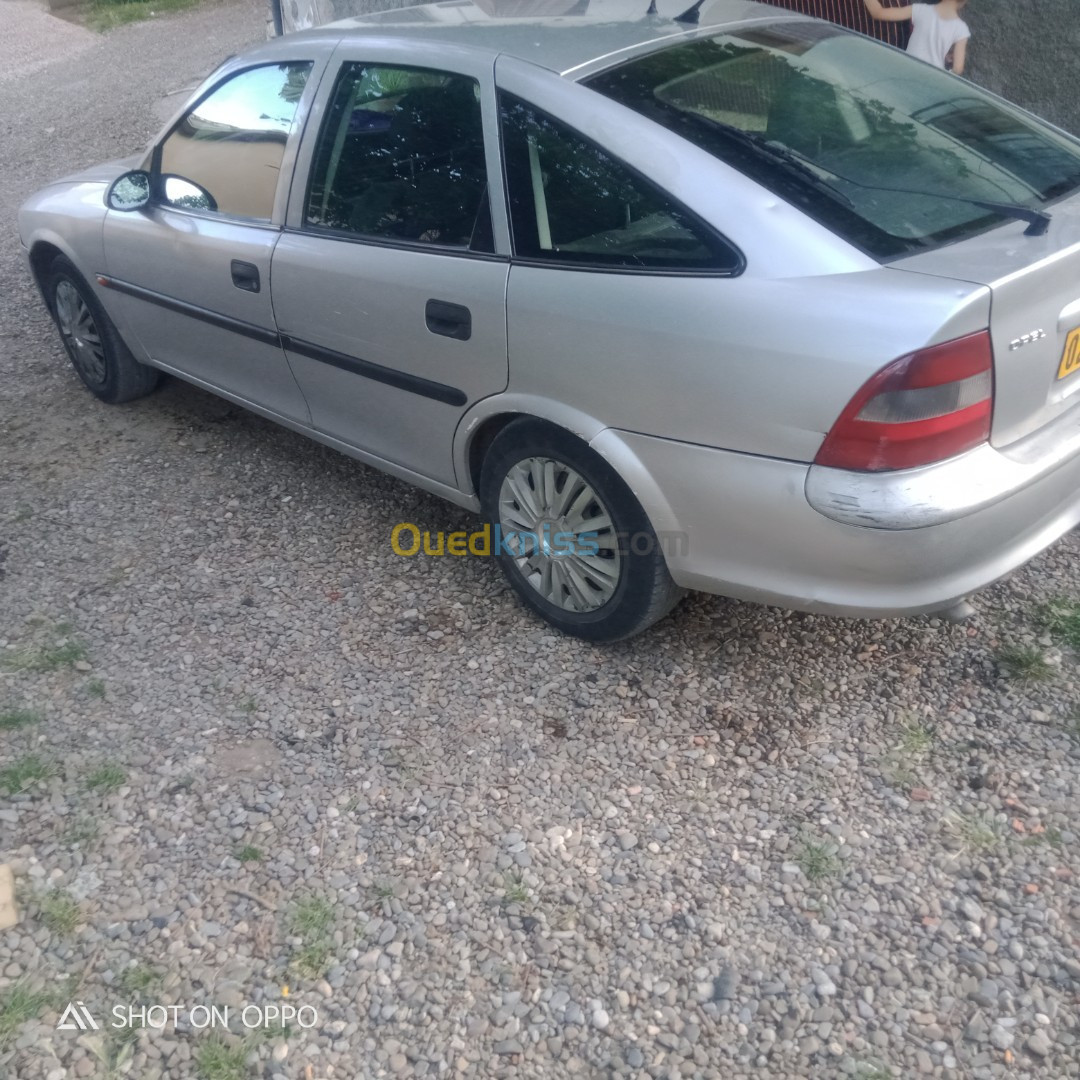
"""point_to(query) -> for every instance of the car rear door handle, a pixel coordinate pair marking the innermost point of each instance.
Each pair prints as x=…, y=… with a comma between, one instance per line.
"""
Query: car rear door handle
x=449, y=320
x=245, y=276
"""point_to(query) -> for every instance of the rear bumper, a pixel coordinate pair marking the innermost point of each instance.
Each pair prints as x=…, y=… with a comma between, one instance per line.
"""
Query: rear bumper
x=743, y=526
x=936, y=494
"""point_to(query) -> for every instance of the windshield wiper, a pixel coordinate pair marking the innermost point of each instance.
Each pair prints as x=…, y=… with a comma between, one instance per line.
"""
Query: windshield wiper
x=1038, y=220
x=777, y=152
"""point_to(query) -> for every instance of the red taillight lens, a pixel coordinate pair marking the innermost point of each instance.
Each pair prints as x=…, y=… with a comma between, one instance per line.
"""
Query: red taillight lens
x=924, y=407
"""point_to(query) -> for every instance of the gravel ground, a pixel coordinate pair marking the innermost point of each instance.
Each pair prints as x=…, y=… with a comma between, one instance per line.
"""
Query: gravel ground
x=244, y=747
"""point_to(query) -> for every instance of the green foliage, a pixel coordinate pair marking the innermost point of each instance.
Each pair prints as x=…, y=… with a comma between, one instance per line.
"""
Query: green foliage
x=107, y=14
x=817, y=859
x=1062, y=619
x=215, y=1059
x=1024, y=664
x=106, y=779
x=18, y=1003
x=312, y=920
x=17, y=718
x=515, y=889
x=59, y=912
x=24, y=772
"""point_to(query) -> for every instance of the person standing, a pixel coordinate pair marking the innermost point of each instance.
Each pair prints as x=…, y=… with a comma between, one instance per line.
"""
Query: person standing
x=936, y=30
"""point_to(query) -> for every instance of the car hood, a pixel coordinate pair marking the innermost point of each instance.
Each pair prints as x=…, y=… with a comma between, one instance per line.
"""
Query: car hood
x=105, y=173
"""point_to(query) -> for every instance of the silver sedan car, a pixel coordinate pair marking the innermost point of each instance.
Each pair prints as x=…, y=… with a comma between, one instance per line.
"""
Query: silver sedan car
x=718, y=298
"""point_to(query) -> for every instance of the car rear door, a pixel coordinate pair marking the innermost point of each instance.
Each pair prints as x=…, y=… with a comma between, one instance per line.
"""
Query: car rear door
x=190, y=274
x=389, y=282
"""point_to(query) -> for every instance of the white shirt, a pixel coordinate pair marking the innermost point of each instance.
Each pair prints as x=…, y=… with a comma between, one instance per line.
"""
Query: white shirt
x=932, y=36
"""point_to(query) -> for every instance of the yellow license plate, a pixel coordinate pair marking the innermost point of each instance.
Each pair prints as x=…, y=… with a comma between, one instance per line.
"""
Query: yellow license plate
x=1070, y=358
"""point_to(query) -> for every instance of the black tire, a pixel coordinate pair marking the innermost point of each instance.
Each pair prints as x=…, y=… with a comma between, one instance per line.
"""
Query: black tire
x=644, y=591
x=96, y=350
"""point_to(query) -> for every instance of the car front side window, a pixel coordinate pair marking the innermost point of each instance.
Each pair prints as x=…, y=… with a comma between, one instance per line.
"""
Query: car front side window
x=401, y=158
x=225, y=154
x=570, y=202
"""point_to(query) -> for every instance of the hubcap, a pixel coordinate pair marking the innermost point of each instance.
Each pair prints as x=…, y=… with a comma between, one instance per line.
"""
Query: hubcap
x=560, y=534
x=79, y=333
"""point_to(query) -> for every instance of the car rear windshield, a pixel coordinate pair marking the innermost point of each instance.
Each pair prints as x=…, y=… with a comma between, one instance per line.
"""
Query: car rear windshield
x=892, y=154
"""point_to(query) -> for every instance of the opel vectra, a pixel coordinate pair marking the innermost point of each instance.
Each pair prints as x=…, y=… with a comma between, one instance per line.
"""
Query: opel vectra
x=716, y=298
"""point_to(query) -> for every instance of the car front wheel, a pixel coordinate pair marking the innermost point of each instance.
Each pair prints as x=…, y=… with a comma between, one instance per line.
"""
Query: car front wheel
x=572, y=540
x=97, y=352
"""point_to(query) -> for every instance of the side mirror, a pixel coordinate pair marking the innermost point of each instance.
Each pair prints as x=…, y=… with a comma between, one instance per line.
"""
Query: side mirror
x=131, y=191
x=186, y=194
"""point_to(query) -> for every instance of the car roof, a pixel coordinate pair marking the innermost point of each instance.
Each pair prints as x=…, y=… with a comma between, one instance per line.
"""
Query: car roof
x=560, y=35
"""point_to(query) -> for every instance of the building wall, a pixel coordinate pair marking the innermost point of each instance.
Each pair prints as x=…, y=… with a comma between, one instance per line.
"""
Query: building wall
x=1029, y=52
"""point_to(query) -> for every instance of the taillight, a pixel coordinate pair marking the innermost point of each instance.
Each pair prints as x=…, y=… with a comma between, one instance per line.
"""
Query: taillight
x=924, y=407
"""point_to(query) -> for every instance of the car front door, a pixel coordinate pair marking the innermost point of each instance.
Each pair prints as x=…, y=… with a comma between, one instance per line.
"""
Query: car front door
x=191, y=272
x=389, y=282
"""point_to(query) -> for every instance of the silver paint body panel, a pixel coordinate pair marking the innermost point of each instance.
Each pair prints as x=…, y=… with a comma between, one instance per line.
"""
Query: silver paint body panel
x=709, y=395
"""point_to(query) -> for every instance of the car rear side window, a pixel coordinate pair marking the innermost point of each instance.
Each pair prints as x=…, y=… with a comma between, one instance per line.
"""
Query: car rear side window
x=401, y=158
x=232, y=143
x=570, y=202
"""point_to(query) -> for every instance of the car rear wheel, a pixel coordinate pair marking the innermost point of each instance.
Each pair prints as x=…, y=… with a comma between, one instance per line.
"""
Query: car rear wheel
x=97, y=352
x=572, y=540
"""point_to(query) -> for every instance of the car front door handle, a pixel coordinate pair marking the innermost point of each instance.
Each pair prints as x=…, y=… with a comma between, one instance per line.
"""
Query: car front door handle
x=245, y=275
x=449, y=320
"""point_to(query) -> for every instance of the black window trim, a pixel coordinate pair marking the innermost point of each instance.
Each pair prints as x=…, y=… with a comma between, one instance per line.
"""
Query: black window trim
x=324, y=232
x=584, y=265
x=429, y=247
x=157, y=196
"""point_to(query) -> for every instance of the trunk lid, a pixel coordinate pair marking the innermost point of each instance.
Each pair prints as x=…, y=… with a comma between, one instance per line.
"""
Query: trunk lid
x=1034, y=314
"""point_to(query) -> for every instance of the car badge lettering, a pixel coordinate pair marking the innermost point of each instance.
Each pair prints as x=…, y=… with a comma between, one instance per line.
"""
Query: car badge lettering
x=1026, y=339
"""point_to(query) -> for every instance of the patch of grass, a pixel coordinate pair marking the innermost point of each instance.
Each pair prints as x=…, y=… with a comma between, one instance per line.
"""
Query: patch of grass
x=313, y=915
x=817, y=860
x=1024, y=664
x=312, y=920
x=383, y=890
x=249, y=853
x=24, y=772
x=18, y=1003
x=312, y=957
x=565, y=917
x=81, y=830
x=871, y=1071
x=14, y=719
x=1051, y=837
x=114, y=1051
x=108, y=14
x=59, y=912
x=900, y=774
x=1062, y=619
x=96, y=688
x=976, y=832
x=138, y=980
x=47, y=657
x=215, y=1059
x=915, y=736
x=106, y=779
x=515, y=891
